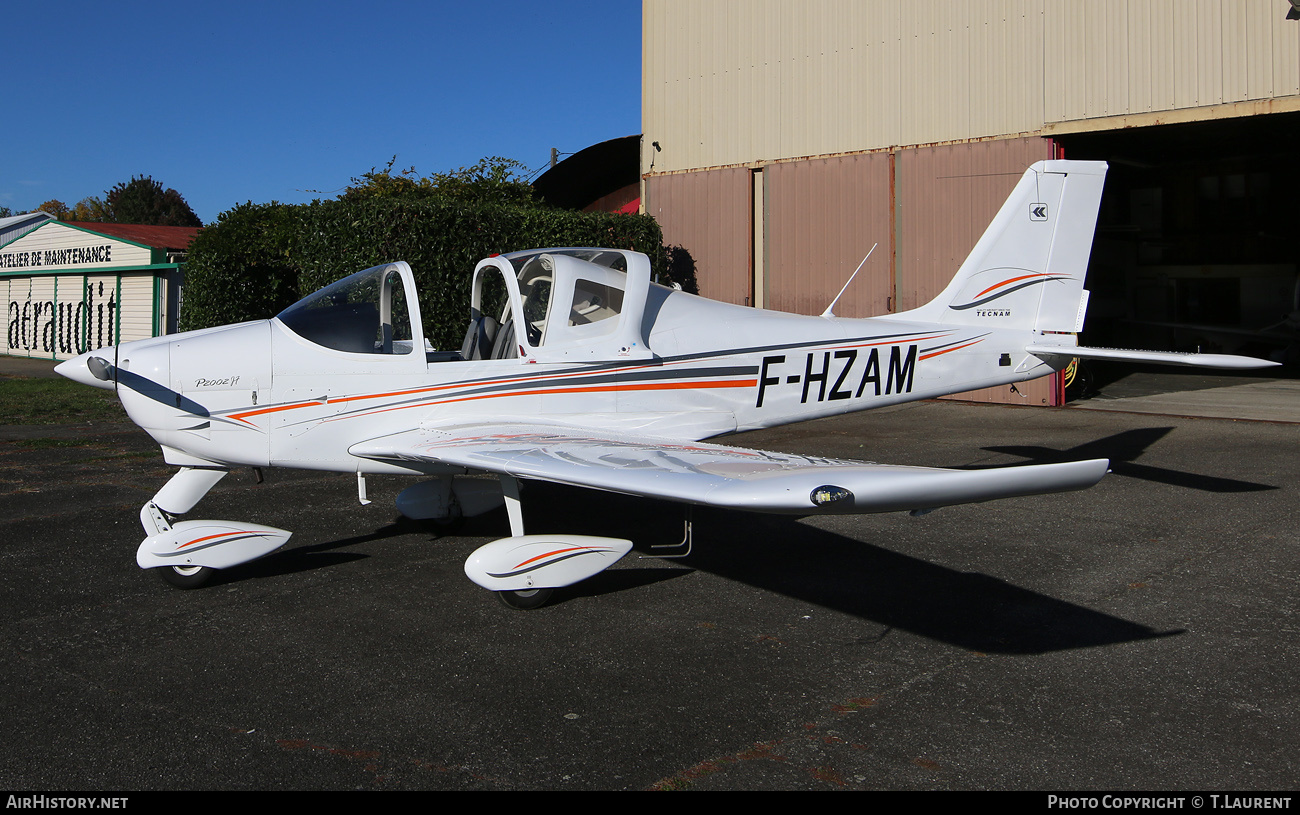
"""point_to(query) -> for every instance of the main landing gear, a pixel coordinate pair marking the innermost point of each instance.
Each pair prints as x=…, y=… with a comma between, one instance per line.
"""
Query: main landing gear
x=525, y=599
x=185, y=577
x=524, y=569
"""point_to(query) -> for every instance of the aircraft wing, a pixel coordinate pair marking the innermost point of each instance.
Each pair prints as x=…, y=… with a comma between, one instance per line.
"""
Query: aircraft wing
x=713, y=474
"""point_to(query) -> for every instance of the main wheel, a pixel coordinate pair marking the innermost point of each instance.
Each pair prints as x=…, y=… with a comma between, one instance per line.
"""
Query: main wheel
x=185, y=577
x=525, y=599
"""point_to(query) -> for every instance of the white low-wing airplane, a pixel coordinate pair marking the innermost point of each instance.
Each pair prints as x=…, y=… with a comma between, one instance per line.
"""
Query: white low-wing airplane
x=576, y=369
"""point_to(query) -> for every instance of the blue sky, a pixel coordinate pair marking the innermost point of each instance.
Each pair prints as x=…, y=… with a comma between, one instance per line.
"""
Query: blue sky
x=278, y=101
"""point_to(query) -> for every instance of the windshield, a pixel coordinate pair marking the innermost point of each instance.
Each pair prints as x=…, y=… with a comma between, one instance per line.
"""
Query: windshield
x=365, y=313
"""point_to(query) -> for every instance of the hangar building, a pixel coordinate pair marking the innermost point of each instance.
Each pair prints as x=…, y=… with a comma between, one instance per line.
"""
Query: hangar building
x=783, y=138
x=69, y=288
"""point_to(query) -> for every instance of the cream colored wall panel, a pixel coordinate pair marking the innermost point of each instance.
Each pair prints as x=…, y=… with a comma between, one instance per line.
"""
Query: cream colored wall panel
x=1056, y=48
x=1285, y=55
x=1212, y=41
x=8, y=334
x=31, y=317
x=1182, y=49
x=1118, y=57
x=935, y=56
x=17, y=315
x=101, y=311
x=136, y=320
x=1259, y=58
x=1234, y=85
x=1109, y=93
x=1137, y=19
x=71, y=315
x=44, y=334
x=1172, y=63
x=734, y=82
x=869, y=71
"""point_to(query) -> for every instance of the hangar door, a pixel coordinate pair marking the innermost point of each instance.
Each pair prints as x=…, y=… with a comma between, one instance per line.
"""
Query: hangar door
x=945, y=197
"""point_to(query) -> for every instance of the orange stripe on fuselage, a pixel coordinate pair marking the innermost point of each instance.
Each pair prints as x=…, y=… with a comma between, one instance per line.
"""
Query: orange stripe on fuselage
x=277, y=409
x=653, y=386
x=895, y=341
x=948, y=350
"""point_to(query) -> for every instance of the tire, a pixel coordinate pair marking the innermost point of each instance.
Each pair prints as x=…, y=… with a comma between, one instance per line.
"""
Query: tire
x=185, y=577
x=525, y=600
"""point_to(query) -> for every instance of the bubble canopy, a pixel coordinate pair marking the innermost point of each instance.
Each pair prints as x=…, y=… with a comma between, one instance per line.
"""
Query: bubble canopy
x=364, y=313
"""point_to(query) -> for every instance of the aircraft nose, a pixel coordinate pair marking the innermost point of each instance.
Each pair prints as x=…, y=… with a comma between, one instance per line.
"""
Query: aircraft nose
x=93, y=368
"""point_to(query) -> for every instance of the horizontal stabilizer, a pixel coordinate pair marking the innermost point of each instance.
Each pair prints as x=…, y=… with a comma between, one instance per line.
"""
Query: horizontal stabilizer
x=1230, y=361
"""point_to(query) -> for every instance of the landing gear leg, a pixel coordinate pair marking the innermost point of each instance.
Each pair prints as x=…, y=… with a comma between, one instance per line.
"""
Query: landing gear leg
x=179, y=495
x=520, y=599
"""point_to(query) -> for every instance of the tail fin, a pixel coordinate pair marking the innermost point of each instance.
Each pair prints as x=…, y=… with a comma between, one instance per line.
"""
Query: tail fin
x=1027, y=271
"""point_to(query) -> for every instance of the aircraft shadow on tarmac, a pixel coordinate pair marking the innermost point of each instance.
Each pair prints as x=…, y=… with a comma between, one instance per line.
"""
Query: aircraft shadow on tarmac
x=779, y=554
x=896, y=592
x=970, y=610
x=1123, y=449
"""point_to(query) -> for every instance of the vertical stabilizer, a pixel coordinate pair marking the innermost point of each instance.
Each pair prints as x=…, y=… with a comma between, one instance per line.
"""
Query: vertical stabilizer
x=1027, y=270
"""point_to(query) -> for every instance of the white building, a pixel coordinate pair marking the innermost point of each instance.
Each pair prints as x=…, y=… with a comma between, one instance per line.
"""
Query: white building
x=73, y=287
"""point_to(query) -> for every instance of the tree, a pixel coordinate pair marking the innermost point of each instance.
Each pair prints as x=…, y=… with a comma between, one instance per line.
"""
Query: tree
x=144, y=201
x=91, y=209
x=56, y=208
x=492, y=180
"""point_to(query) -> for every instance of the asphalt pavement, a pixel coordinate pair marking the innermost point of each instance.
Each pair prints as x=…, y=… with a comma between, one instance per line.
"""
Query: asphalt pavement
x=1140, y=635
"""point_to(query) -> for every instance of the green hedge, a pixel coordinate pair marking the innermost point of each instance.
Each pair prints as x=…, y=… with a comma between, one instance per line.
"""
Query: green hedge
x=260, y=258
x=242, y=268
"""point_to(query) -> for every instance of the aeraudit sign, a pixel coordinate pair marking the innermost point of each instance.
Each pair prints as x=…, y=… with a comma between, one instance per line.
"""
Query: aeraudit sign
x=38, y=325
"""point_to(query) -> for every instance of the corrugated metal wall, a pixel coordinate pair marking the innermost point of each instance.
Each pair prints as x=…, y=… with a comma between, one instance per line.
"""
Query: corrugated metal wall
x=741, y=81
x=811, y=98
x=945, y=197
x=1120, y=57
x=709, y=215
x=822, y=218
x=60, y=316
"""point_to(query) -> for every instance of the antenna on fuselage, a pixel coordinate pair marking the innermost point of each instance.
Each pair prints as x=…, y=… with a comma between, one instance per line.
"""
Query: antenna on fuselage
x=828, y=312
